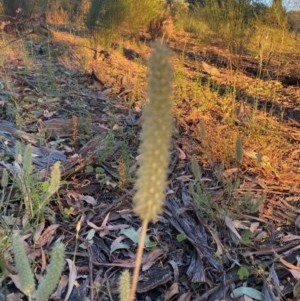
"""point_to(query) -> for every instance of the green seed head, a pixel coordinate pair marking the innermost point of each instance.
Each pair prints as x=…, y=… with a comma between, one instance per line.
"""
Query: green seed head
x=22, y=266
x=54, y=271
x=124, y=286
x=55, y=179
x=155, y=137
x=238, y=150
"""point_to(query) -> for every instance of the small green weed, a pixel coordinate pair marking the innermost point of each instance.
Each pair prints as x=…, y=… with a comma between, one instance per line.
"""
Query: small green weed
x=243, y=273
x=202, y=198
x=36, y=194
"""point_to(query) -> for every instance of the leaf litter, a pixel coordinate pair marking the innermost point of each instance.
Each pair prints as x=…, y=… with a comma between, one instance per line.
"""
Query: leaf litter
x=205, y=265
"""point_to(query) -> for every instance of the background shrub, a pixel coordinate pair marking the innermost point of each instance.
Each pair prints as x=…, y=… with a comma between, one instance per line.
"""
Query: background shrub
x=112, y=18
x=229, y=21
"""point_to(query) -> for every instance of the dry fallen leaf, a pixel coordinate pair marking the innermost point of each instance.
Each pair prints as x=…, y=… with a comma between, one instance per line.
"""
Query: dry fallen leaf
x=72, y=277
x=220, y=247
x=186, y=296
x=181, y=153
x=297, y=222
x=15, y=297
x=254, y=226
x=230, y=172
x=117, y=244
x=80, y=197
x=288, y=264
x=105, y=229
x=88, y=199
x=39, y=229
x=290, y=237
x=295, y=273
x=43, y=267
x=63, y=282
x=151, y=258
x=171, y=292
x=47, y=236
x=48, y=114
x=16, y=280
x=230, y=225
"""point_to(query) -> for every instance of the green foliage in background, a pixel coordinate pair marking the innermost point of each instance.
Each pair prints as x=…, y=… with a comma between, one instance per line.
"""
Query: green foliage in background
x=25, y=7
x=110, y=18
x=277, y=16
x=234, y=23
x=229, y=21
x=67, y=11
x=10, y=6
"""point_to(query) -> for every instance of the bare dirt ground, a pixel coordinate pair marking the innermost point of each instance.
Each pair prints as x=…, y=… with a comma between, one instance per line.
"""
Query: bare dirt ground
x=82, y=106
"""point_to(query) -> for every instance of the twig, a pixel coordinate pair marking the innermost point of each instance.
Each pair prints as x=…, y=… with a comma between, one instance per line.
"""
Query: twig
x=91, y=267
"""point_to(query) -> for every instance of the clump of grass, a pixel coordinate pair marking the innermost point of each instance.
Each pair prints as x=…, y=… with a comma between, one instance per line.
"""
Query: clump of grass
x=202, y=198
x=36, y=194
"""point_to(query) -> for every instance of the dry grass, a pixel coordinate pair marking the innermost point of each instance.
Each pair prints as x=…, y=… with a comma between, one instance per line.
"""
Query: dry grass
x=197, y=103
x=263, y=131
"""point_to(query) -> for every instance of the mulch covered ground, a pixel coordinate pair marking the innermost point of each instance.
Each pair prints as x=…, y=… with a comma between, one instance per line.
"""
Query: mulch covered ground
x=197, y=250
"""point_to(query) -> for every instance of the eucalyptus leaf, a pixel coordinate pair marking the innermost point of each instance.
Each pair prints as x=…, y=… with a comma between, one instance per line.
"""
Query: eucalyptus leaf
x=119, y=246
x=134, y=236
x=248, y=291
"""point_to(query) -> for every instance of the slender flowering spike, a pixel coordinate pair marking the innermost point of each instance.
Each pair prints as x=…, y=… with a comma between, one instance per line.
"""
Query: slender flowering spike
x=54, y=271
x=22, y=266
x=4, y=180
x=55, y=179
x=155, y=137
x=124, y=285
x=27, y=159
x=238, y=150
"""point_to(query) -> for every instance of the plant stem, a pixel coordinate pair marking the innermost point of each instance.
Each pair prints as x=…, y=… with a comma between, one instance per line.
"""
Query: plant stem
x=138, y=261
